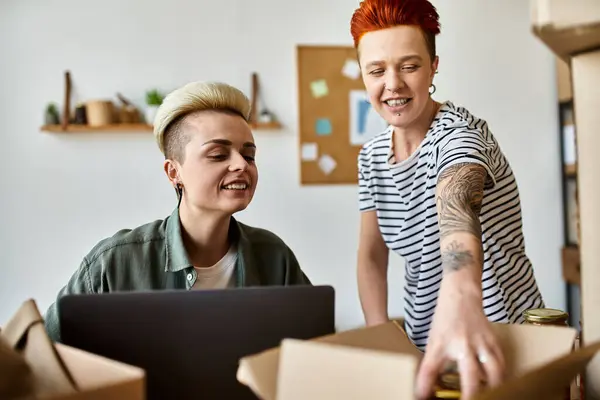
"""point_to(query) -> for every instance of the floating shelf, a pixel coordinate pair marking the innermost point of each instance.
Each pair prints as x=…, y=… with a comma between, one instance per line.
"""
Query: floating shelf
x=266, y=125
x=105, y=128
x=134, y=128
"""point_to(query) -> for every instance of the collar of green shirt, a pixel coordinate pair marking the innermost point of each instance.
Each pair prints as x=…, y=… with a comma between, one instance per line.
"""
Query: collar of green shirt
x=177, y=258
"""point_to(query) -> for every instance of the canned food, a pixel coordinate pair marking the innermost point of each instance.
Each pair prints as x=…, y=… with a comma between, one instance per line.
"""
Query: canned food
x=546, y=316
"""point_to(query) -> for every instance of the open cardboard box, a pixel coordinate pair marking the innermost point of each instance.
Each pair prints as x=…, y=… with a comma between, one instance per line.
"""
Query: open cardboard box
x=380, y=362
x=33, y=367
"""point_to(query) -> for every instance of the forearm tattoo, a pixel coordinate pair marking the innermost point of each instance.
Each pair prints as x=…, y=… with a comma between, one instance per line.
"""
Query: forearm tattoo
x=455, y=256
x=459, y=205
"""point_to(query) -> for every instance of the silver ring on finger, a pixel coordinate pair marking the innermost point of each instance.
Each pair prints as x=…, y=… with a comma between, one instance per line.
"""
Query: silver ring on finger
x=482, y=357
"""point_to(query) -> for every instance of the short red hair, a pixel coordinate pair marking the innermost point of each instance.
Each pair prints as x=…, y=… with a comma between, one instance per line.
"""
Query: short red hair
x=373, y=15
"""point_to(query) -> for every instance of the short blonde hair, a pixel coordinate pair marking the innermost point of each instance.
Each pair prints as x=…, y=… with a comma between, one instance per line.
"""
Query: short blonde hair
x=195, y=96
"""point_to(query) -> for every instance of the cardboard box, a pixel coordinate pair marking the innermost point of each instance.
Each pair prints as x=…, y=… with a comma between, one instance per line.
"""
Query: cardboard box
x=563, y=80
x=381, y=363
x=571, y=29
x=33, y=367
x=568, y=27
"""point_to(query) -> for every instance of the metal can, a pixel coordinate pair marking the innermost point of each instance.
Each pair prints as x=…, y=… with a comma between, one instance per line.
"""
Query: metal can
x=546, y=316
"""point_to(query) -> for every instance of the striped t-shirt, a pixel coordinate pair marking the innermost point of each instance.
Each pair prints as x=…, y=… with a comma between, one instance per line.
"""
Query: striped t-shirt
x=403, y=196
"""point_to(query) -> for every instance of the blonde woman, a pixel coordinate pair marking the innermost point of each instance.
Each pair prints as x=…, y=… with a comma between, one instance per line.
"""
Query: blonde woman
x=203, y=131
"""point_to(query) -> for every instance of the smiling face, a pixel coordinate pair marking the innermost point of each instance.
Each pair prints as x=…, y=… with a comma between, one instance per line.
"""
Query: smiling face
x=397, y=71
x=217, y=170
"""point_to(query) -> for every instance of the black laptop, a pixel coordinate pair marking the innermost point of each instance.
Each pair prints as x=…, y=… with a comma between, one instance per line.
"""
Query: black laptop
x=189, y=342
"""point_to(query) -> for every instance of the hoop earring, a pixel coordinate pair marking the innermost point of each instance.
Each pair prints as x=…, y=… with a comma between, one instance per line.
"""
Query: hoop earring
x=430, y=89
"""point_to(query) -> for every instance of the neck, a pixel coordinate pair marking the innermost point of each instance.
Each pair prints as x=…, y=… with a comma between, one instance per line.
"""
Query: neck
x=406, y=140
x=205, y=235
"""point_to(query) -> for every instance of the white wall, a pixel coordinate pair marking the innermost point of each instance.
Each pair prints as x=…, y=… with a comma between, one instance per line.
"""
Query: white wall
x=61, y=194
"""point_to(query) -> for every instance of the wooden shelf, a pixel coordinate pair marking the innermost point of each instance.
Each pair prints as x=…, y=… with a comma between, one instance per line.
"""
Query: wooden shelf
x=571, y=265
x=571, y=170
x=266, y=125
x=134, y=128
x=105, y=128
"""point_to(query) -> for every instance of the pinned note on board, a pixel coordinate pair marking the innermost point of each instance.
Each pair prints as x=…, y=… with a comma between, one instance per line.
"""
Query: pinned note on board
x=327, y=164
x=351, y=69
x=309, y=152
x=323, y=126
x=319, y=88
x=365, y=122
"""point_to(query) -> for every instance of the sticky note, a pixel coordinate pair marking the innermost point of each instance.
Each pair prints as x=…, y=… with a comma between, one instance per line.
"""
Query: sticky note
x=351, y=69
x=309, y=151
x=323, y=126
x=327, y=164
x=319, y=88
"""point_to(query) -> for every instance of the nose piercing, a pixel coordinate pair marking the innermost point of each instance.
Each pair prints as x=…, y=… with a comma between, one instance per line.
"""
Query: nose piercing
x=392, y=90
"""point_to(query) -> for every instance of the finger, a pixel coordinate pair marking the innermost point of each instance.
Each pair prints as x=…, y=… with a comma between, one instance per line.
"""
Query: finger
x=429, y=371
x=497, y=350
x=493, y=364
x=470, y=375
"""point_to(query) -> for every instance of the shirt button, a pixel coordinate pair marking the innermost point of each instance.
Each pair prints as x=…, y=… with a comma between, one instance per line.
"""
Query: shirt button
x=190, y=277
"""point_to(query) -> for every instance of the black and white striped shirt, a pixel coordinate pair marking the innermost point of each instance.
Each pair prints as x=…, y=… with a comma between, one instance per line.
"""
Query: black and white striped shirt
x=403, y=196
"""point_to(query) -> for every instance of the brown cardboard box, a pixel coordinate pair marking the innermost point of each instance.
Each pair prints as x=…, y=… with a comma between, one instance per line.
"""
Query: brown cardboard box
x=381, y=363
x=567, y=27
x=39, y=369
x=571, y=29
x=563, y=80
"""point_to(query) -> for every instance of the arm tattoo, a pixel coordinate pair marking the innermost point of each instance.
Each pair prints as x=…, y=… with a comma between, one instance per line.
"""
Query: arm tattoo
x=459, y=202
x=459, y=205
x=455, y=257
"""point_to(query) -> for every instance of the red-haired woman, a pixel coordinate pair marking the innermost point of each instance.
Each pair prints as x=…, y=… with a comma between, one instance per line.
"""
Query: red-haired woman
x=436, y=189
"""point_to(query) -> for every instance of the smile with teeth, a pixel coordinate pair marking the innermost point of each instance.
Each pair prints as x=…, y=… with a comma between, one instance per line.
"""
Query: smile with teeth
x=397, y=102
x=236, y=186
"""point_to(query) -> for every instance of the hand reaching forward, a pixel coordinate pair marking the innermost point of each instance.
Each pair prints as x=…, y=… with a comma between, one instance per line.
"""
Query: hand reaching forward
x=461, y=332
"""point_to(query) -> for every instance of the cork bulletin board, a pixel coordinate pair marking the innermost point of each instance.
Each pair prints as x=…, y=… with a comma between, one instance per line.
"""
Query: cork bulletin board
x=335, y=118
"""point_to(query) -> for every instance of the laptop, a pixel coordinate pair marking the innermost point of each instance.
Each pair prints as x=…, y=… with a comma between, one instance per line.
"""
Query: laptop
x=190, y=342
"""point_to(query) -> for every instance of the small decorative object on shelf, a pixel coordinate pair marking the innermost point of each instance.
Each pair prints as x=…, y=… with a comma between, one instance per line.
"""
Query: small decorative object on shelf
x=153, y=100
x=266, y=119
x=80, y=114
x=128, y=113
x=51, y=117
x=100, y=112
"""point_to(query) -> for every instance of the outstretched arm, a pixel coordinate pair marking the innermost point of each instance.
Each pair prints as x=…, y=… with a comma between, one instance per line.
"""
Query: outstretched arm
x=460, y=330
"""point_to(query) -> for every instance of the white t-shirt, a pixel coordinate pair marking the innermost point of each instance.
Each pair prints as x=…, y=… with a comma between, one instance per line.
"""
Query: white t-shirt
x=403, y=196
x=220, y=275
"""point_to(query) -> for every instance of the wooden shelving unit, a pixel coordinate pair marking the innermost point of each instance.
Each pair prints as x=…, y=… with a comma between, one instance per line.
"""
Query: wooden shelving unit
x=106, y=128
x=570, y=256
x=570, y=170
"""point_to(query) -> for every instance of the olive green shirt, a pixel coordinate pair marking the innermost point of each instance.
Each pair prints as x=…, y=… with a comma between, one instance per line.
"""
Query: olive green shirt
x=153, y=257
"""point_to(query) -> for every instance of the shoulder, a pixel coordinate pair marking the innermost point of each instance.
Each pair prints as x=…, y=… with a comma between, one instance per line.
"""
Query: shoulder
x=259, y=237
x=128, y=240
x=456, y=121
